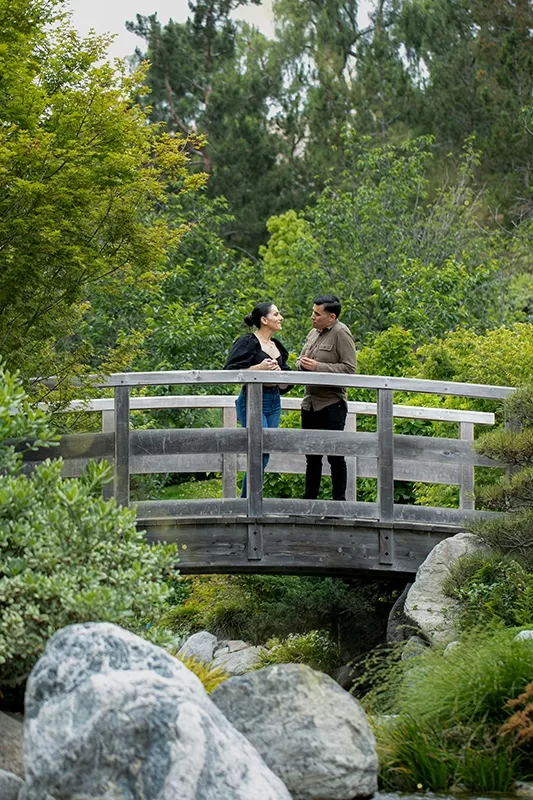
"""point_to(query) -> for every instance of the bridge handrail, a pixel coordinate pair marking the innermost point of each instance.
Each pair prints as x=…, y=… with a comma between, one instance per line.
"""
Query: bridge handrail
x=295, y=378
x=106, y=404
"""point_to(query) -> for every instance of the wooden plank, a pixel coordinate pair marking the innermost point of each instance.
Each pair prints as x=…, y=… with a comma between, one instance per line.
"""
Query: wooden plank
x=229, y=460
x=75, y=446
x=341, y=443
x=466, y=492
x=197, y=377
x=439, y=450
x=152, y=509
x=122, y=445
x=254, y=427
x=320, y=508
x=174, y=441
x=440, y=516
x=287, y=403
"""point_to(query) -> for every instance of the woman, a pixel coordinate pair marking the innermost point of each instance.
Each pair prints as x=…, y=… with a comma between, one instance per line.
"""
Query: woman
x=260, y=350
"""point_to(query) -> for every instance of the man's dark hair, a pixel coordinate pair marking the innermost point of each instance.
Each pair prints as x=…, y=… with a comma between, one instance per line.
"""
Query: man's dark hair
x=330, y=302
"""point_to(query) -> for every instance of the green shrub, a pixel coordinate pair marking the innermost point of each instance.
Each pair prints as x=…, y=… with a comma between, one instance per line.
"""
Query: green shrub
x=66, y=555
x=450, y=710
x=315, y=648
x=491, y=588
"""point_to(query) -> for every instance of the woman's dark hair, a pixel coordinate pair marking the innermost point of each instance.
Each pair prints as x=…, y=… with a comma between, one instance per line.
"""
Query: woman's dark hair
x=260, y=310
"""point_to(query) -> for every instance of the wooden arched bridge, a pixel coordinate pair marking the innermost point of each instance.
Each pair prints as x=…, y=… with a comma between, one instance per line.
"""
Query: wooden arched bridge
x=259, y=534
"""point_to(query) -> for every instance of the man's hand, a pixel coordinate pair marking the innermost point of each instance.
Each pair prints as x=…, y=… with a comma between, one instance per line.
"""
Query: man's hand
x=308, y=363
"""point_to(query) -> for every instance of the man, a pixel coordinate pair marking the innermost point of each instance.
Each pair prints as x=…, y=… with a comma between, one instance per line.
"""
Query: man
x=329, y=347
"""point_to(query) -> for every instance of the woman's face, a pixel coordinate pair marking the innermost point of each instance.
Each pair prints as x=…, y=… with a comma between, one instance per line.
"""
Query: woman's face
x=273, y=319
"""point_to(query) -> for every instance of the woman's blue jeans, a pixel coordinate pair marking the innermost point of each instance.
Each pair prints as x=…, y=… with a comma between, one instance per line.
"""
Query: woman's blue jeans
x=271, y=418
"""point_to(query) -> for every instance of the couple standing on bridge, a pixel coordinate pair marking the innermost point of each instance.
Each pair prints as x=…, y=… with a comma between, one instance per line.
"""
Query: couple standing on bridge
x=329, y=347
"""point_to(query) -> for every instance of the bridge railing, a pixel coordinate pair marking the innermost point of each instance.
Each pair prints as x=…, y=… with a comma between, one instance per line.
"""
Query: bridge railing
x=383, y=455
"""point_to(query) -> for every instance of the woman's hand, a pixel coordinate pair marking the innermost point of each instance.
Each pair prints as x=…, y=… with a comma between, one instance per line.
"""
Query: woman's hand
x=269, y=364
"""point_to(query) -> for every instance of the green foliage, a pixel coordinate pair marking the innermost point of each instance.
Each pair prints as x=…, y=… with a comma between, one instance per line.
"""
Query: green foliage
x=256, y=607
x=450, y=709
x=80, y=175
x=401, y=260
x=511, y=532
x=491, y=590
x=314, y=648
x=210, y=676
x=66, y=555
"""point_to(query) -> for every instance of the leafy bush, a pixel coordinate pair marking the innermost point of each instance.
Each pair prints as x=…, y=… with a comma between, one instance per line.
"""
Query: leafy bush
x=257, y=607
x=491, y=588
x=315, y=648
x=449, y=713
x=66, y=555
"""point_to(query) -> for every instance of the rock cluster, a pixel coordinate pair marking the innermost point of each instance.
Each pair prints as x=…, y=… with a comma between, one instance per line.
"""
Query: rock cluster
x=110, y=716
x=233, y=656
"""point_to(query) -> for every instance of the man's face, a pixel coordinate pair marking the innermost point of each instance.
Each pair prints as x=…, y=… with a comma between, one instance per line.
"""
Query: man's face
x=321, y=318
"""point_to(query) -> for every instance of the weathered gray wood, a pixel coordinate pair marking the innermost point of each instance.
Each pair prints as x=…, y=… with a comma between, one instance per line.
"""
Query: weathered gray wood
x=198, y=377
x=466, y=492
x=385, y=456
x=441, y=516
x=255, y=542
x=287, y=403
x=302, y=546
x=439, y=450
x=386, y=545
x=351, y=463
x=122, y=445
x=108, y=426
x=168, y=509
x=76, y=446
x=254, y=423
x=183, y=441
x=229, y=460
x=319, y=508
x=342, y=443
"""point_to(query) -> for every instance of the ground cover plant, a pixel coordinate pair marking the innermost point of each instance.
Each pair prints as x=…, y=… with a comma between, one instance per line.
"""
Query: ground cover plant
x=66, y=555
x=451, y=726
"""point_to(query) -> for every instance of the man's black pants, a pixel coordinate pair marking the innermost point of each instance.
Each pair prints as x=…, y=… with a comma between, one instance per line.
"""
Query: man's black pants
x=330, y=418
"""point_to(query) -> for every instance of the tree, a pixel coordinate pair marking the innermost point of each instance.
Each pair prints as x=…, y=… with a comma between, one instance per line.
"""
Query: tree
x=80, y=175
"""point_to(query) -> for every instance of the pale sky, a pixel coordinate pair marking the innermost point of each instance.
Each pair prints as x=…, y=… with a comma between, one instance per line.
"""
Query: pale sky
x=109, y=16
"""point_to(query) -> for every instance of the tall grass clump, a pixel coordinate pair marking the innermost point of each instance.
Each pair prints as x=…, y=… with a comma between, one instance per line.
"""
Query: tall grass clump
x=448, y=715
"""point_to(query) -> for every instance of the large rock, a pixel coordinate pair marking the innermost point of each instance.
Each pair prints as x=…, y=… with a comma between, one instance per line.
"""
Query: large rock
x=11, y=745
x=310, y=732
x=200, y=646
x=10, y=785
x=113, y=717
x=238, y=661
x=431, y=611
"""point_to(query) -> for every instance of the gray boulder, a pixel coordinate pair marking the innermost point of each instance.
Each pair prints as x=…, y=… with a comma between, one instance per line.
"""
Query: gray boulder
x=109, y=716
x=431, y=611
x=11, y=745
x=310, y=732
x=239, y=661
x=524, y=636
x=200, y=646
x=10, y=785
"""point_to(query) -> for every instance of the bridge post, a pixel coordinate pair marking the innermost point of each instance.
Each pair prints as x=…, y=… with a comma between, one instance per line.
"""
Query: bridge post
x=254, y=424
x=122, y=445
x=385, y=476
x=229, y=460
x=351, y=461
x=466, y=491
x=108, y=426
